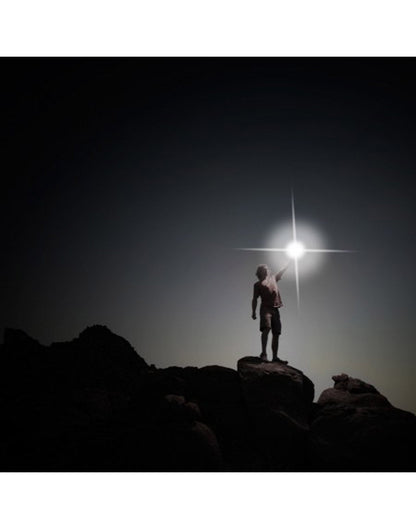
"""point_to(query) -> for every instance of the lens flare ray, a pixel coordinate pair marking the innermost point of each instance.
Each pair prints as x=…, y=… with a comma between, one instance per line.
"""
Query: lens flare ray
x=295, y=257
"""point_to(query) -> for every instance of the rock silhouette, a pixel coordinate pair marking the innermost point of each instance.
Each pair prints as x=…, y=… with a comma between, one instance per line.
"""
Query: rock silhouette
x=93, y=404
x=356, y=428
x=279, y=400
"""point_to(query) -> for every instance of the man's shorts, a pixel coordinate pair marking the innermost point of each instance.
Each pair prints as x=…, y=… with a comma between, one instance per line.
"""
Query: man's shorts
x=270, y=319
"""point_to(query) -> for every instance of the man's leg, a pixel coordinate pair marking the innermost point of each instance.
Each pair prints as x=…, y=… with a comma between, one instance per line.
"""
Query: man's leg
x=275, y=345
x=264, y=336
x=265, y=326
x=276, y=329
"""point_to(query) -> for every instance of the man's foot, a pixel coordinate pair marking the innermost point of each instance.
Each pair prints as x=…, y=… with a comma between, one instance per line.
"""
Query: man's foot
x=279, y=360
x=263, y=357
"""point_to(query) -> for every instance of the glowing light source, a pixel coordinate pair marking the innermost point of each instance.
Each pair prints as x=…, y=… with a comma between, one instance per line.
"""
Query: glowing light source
x=295, y=250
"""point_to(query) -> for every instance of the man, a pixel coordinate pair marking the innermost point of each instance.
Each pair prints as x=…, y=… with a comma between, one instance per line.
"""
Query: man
x=266, y=288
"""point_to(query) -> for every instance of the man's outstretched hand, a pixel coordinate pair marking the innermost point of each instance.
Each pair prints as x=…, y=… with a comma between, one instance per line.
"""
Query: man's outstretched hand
x=254, y=317
x=282, y=271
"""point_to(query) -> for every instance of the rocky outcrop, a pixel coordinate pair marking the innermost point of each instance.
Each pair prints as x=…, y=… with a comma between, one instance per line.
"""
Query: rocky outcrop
x=356, y=428
x=216, y=393
x=54, y=400
x=279, y=400
x=93, y=404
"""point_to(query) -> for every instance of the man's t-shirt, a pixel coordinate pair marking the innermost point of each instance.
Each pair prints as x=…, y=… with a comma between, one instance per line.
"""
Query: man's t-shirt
x=268, y=292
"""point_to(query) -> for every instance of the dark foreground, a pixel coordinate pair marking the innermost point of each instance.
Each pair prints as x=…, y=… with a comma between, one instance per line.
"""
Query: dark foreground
x=93, y=404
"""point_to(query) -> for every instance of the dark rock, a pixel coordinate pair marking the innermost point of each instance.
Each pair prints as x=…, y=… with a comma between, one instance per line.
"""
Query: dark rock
x=93, y=404
x=15, y=338
x=192, y=445
x=217, y=390
x=179, y=409
x=21, y=363
x=171, y=446
x=172, y=437
x=354, y=428
x=279, y=399
x=352, y=385
x=54, y=398
x=338, y=396
x=99, y=343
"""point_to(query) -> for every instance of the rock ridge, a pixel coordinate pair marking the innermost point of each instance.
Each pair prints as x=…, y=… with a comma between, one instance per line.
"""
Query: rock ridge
x=94, y=404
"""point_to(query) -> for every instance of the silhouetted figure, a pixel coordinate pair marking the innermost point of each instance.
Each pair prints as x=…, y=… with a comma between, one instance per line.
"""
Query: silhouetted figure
x=266, y=288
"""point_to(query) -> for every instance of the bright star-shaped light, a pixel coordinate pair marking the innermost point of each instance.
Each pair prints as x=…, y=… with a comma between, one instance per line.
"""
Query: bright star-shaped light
x=295, y=250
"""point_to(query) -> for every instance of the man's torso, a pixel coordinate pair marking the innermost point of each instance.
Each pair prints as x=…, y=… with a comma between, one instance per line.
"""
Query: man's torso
x=268, y=292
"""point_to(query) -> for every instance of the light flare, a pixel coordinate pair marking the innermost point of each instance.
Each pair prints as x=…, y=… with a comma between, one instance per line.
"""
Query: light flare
x=296, y=250
x=295, y=245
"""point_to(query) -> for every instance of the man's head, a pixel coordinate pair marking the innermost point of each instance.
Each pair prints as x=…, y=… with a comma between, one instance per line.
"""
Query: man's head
x=262, y=272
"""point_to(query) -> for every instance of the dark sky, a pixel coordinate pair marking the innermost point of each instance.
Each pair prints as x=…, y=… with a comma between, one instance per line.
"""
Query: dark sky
x=126, y=184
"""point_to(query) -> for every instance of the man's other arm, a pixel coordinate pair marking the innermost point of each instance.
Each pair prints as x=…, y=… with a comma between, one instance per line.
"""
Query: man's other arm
x=254, y=301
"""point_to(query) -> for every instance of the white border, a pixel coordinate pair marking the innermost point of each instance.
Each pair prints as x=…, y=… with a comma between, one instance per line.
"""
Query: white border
x=206, y=501
x=217, y=27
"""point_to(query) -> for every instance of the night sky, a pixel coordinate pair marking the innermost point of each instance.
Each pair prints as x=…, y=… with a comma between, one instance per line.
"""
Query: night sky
x=127, y=184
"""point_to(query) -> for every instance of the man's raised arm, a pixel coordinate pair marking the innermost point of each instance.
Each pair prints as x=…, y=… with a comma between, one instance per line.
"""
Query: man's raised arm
x=282, y=271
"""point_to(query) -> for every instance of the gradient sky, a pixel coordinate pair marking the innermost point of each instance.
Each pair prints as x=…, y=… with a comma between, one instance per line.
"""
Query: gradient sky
x=127, y=184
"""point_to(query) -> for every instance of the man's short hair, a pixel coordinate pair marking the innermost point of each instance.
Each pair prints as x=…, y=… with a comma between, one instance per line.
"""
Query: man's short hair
x=262, y=270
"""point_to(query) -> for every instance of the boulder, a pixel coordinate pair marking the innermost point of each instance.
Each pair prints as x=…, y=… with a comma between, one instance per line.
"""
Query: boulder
x=218, y=392
x=355, y=428
x=346, y=383
x=176, y=407
x=279, y=400
x=215, y=391
x=173, y=438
